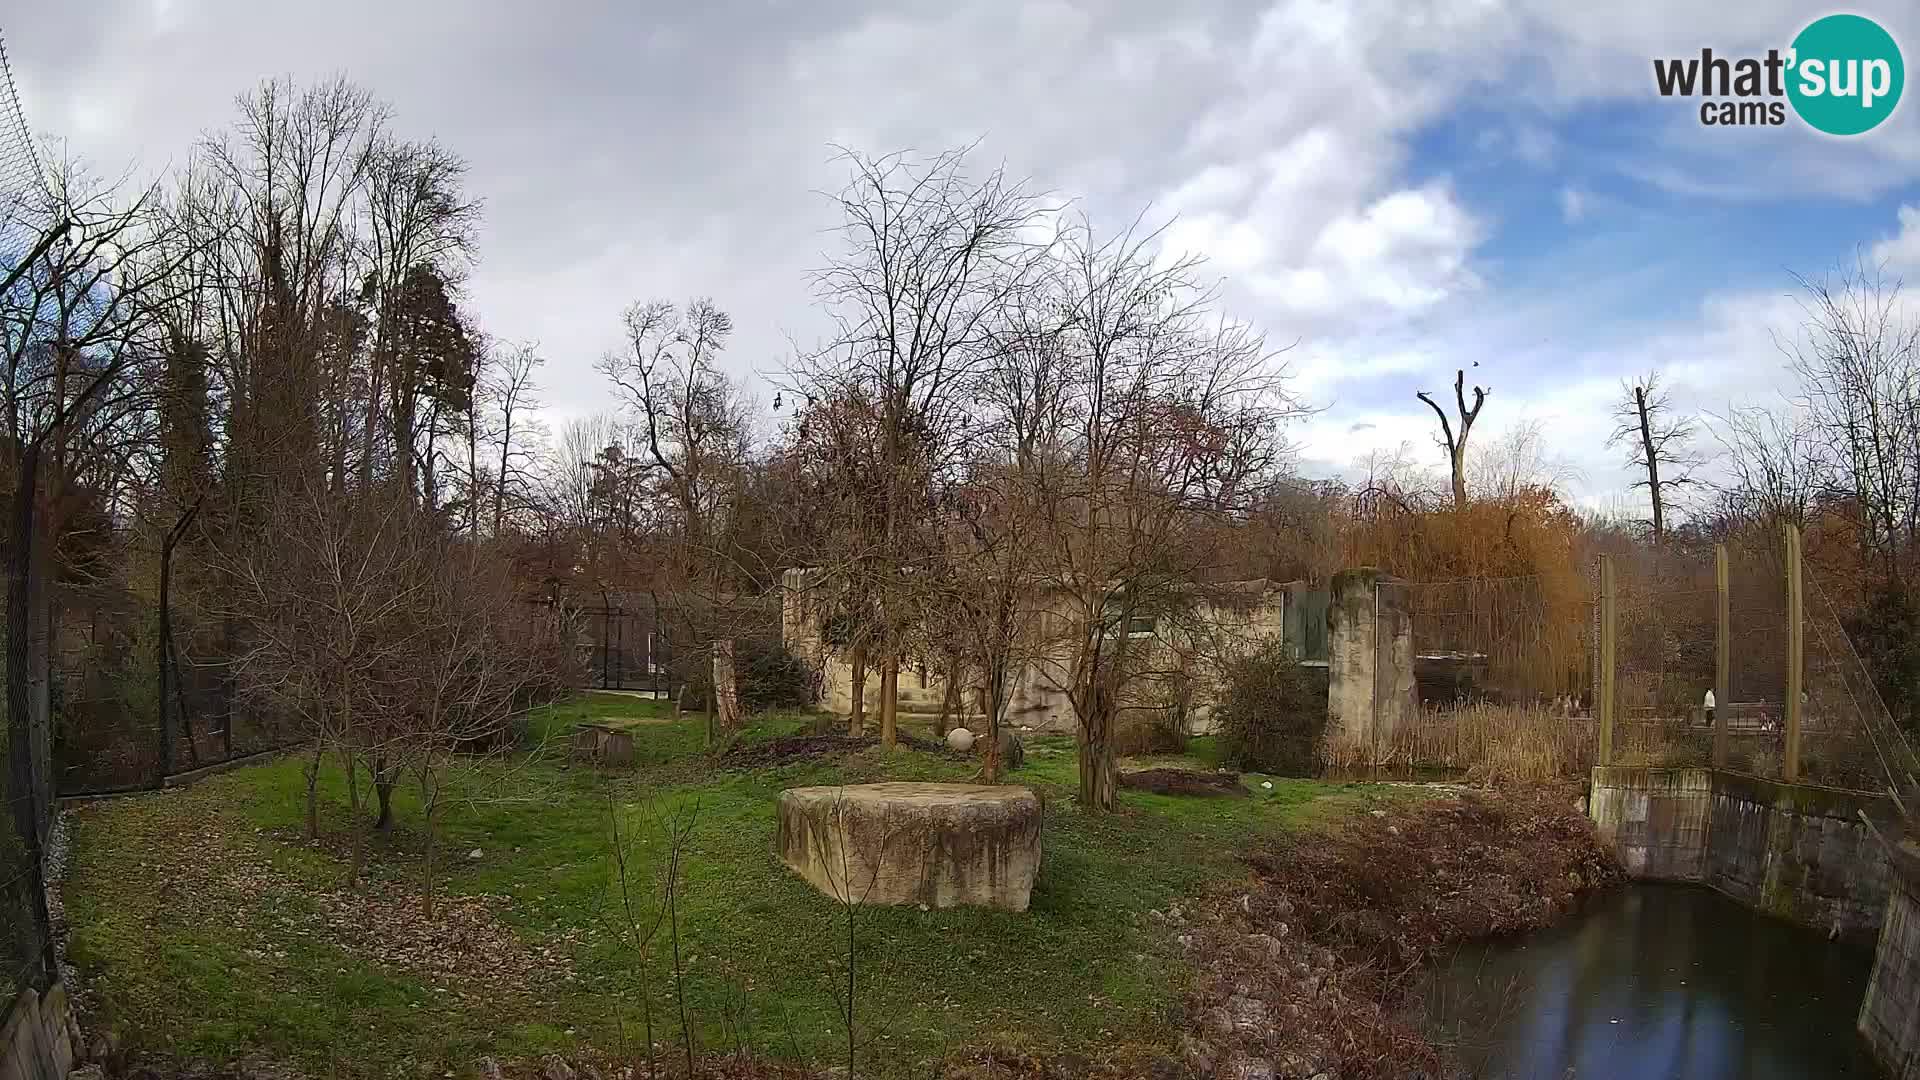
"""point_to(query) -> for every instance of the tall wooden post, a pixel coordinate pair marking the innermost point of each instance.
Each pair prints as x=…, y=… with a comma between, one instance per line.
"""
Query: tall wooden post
x=1609, y=629
x=1796, y=651
x=1722, y=656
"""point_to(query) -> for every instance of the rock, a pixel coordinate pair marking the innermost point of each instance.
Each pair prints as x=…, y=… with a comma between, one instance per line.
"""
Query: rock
x=943, y=845
x=92, y=1071
x=1247, y=1014
x=1248, y=1068
x=960, y=739
x=1198, y=1055
x=474, y=855
x=488, y=1069
x=1266, y=943
x=555, y=1067
x=1012, y=753
x=1217, y=1021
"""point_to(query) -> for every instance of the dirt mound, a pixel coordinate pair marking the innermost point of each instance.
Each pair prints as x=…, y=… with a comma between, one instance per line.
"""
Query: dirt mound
x=1183, y=782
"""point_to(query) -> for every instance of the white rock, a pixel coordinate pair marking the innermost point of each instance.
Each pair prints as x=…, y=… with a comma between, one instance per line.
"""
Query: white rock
x=960, y=739
x=474, y=854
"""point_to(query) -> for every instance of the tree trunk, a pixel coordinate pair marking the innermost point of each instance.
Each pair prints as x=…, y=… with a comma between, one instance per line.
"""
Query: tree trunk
x=996, y=693
x=1458, y=462
x=1099, y=782
x=1653, y=464
x=726, y=687
x=313, y=788
x=383, y=780
x=949, y=701
x=857, y=713
x=890, y=702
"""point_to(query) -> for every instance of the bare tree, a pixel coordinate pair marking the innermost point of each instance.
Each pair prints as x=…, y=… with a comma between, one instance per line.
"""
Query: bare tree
x=1659, y=443
x=1454, y=444
x=1160, y=426
x=931, y=256
x=1774, y=463
x=1857, y=356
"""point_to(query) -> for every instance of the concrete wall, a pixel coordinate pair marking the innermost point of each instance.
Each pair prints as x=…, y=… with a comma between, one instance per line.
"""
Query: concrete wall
x=38, y=1039
x=1370, y=686
x=1656, y=819
x=1792, y=850
x=1890, y=1014
x=1037, y=691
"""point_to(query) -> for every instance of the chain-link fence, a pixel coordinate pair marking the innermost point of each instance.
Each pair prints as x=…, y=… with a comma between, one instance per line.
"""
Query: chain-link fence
x=1734, y=657
x=1500, y=676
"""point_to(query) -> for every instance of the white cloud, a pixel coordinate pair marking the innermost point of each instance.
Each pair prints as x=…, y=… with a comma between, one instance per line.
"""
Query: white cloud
x=1573, y=204
x=1901, y=251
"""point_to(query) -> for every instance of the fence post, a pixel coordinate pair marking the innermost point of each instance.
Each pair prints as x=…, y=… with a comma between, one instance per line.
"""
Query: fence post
x=1796, y=652
x=1722, y=656
x=1608, y=633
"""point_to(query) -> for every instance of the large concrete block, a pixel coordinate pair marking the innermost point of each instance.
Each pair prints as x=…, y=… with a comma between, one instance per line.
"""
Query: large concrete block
x=942, y=845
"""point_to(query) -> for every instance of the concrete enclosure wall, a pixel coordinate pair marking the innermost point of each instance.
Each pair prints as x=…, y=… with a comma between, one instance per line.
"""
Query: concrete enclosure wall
x=1890, y=1014
x=1792, y=850
x=1370, y=686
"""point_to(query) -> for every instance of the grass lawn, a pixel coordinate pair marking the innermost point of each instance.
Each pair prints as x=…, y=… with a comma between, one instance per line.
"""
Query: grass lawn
x=203, y=925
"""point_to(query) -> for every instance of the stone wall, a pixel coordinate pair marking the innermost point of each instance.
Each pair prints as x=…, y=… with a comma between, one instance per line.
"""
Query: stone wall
x=1792, y=850
x=38, y=1039
x=1890, y=1014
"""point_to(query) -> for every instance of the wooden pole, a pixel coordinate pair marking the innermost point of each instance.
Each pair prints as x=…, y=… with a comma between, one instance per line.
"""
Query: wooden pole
x=1608, y=632
x=1796, y=652
x=1723, y=656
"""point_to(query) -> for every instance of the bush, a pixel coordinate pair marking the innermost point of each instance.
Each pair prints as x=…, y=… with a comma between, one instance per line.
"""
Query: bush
x=772, y=677
x=1160, y=731
x=1273, y=714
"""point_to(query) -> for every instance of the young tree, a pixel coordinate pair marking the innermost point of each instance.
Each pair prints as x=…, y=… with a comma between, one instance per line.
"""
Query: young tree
x=1659, y=444
x=1455, y=444
x=1157, y=424
x=930, y=258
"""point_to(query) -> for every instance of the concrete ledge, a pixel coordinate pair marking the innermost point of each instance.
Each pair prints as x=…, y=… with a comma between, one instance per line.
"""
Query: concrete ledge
x=1797, y=851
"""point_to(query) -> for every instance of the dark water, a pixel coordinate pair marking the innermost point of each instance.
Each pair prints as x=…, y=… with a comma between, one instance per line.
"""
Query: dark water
x=1654, y=982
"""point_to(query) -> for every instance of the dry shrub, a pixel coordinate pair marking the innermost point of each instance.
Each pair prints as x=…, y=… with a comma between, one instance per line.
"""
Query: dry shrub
x=1158, y=731
x=1500, y=743
x=1314, y=967
x=1273, y=715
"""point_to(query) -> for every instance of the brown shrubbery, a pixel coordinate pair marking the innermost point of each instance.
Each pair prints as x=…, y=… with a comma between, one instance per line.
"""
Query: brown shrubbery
x=1310, y=969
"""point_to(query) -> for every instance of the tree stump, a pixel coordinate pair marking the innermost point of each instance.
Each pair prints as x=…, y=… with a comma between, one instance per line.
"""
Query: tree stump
x=942, y=845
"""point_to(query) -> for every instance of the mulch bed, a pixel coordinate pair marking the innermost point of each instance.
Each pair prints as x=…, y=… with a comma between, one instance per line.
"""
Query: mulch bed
x=1183, y=782
x=802, y=747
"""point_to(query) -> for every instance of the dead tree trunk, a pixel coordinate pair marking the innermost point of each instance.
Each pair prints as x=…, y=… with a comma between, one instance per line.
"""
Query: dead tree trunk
x=1456, y=445
x=1652, y=453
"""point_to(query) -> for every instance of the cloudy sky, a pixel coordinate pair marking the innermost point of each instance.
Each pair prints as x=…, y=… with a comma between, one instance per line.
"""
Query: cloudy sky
x=1402, y=188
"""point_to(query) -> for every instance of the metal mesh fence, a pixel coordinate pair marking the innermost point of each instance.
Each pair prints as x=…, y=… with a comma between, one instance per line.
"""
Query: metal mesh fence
x=24, y=944
x=1500, y=669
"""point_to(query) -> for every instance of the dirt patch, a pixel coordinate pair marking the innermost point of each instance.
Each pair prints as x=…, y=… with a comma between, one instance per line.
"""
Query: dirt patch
x=1311, y=968
x=1183, y=782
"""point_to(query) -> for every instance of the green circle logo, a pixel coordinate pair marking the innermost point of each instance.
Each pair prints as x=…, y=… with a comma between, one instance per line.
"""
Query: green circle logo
x=1845, y=74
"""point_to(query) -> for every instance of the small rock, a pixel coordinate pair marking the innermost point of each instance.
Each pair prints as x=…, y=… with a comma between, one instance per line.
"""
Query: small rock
x=1249, y=1068
x=1267, y=785
x=1246, y=903
x=1265, y=943
x=555, y=1067
x=474, y=854
x=1198, y=1055
x=1217, y=1021
x=1378, y=813
x=1247, y=1014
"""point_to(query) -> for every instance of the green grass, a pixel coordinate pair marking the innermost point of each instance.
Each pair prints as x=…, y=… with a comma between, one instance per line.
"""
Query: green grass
x=1082, y=966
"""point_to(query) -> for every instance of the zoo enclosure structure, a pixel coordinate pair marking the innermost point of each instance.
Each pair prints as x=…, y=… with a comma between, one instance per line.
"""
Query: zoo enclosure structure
x=1791, y=699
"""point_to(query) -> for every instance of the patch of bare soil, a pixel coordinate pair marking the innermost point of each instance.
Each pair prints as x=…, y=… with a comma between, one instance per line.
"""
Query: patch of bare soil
x=1183, y=782
x=1310, y=971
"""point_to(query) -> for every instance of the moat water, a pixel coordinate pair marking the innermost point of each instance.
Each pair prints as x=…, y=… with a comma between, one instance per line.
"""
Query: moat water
x=1656, y=982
